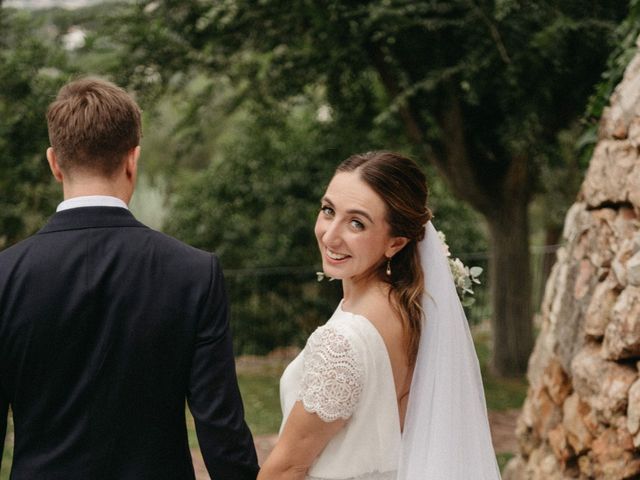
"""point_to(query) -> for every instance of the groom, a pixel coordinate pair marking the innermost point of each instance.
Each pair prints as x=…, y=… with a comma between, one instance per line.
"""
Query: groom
x=107, y=326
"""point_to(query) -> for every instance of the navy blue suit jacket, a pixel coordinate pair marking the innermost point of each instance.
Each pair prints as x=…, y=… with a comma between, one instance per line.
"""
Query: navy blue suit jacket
x=106, y=327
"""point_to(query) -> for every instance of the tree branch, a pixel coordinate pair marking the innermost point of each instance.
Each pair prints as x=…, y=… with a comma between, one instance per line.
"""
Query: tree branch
x=460, y=165
x=495, y=34
x=455, y=166
x=391, y=84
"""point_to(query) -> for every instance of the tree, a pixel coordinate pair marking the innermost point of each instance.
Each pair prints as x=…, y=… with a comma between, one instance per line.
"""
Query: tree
x=30, y=74
x=482, y=90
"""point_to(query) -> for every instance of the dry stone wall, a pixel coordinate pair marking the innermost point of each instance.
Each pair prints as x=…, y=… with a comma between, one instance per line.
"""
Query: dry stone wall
x=581, y=418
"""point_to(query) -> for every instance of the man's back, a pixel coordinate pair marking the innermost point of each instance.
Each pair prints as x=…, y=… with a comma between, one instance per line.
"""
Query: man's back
x=105, y=327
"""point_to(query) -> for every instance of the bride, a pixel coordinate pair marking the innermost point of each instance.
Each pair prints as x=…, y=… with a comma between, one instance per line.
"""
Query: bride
x=389, y=388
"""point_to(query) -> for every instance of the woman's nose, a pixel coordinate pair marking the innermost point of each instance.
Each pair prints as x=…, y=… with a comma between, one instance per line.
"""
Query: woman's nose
x=332, y=234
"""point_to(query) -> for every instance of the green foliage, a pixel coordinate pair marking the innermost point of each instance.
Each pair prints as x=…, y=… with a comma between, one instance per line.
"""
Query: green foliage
x=464, y=228
x=533, y=62
x=626, y=37
x=255, y=205
x=31, y=71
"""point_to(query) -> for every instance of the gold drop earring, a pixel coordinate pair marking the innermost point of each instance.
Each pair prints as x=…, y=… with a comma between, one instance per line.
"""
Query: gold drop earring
x=388, y=267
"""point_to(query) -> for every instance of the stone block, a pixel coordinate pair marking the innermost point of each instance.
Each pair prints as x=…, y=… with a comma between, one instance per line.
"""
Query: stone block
x=619, y=270
x=633, y=413
x=613, y=455
x=622, y=334
x=633, y=186
x=556, y=381
x=515, y=469
x=603, y=384
x=579, y=423
x=625, y=225
x=586, y=279
x=585, y=465
x=559, y=444
x=607, y=179
x=543, y=465
x=547, y=414
x=575, y=222
x=600, y=307
x=598, y=242
x=633, y=270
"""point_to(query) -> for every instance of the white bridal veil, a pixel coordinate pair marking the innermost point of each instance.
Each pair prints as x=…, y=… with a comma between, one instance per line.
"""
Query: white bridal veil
x=446, y=433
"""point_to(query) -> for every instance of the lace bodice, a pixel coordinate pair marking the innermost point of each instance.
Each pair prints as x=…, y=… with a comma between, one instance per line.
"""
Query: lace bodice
x=333, y=375
x=344, y=372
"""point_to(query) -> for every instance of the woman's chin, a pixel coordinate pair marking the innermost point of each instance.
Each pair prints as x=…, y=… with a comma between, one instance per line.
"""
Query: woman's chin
x=333, y=272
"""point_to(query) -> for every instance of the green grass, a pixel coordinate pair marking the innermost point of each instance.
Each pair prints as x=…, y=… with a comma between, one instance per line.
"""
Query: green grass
x=501, y=393
x=503, y=459
x=259, y=386
x=261, y=397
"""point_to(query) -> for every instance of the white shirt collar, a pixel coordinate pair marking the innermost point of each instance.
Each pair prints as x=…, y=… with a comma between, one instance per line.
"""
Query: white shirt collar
x=91, y=201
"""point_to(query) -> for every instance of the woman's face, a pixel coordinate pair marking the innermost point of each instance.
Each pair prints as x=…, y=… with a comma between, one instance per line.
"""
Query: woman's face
x=352, y=231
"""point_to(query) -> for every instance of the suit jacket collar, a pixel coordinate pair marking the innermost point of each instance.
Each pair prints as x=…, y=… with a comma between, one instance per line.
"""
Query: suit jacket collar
x=90, y=217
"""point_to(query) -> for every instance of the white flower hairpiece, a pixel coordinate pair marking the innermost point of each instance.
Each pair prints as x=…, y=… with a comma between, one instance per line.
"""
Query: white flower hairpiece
x=463, y=277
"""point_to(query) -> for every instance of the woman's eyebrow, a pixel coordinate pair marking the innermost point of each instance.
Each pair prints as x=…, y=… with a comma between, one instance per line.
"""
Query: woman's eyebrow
x=361, y=212
x=352, y=211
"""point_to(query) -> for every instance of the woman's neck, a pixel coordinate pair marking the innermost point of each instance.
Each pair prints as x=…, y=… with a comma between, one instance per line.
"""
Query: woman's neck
x=353, y=291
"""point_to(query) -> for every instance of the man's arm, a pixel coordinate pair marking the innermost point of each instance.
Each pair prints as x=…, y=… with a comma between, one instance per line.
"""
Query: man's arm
x=214, y=398
x=4, y=412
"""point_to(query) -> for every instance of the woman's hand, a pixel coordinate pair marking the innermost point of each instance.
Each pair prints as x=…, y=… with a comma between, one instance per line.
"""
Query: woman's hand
x=303, y=438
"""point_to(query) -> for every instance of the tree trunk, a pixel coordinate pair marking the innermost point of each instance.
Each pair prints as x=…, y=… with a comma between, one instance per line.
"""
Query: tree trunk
x=510, y=278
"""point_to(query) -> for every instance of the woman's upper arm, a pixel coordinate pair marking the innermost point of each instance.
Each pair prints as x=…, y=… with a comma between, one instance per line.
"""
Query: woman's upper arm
x=304, y=436
x=330, y=389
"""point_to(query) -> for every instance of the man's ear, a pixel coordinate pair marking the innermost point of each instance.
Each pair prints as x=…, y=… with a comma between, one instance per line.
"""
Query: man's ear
x=131, y=163
x=53, y=165
x=396, y=244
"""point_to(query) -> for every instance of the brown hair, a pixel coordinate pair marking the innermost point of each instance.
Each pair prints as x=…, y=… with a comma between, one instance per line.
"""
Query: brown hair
x=92, y=125
x=403, y=187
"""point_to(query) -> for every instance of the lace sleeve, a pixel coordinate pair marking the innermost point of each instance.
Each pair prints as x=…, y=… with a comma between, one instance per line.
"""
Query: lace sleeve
x=333, y=375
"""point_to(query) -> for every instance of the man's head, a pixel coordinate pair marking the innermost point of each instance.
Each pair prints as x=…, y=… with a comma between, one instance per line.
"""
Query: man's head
x=94, y=130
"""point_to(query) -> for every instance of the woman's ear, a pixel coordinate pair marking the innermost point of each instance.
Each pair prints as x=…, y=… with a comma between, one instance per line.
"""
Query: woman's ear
x=396, y=244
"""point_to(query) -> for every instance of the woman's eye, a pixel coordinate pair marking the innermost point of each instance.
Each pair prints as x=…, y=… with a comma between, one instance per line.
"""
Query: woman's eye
x=357, y=224
x=327, y=210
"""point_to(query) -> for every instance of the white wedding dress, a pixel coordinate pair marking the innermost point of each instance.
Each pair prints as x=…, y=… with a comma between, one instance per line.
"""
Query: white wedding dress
x=344, y=372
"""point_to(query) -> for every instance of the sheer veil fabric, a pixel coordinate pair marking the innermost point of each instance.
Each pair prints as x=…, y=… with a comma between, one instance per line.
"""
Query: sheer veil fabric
x=446, y=433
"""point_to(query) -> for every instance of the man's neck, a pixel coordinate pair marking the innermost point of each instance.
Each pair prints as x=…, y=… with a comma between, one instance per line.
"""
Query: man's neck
x=90, y=187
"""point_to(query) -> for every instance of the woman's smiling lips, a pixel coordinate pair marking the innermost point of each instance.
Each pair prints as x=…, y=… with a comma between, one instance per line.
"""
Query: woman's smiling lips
x=334, y=256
